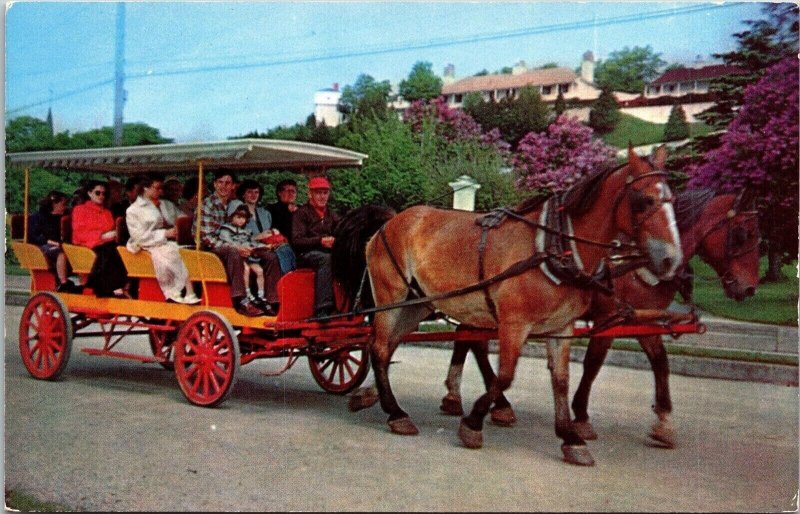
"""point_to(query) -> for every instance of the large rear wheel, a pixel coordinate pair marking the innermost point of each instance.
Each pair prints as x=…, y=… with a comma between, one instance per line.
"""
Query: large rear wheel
x=45, y=336
x=341, y=371
x=206, y=359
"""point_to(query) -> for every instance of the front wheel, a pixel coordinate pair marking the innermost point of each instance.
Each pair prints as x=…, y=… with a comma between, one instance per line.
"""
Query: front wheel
x=206, y=359
x=45, y=336
x=341, y=371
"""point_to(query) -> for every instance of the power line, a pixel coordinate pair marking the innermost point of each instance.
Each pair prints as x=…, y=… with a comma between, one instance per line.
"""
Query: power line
x=62, y=96
x=442, y=42
x=433, y=43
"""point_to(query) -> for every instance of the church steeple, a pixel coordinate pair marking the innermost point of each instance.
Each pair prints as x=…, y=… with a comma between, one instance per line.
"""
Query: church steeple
x=50, y=120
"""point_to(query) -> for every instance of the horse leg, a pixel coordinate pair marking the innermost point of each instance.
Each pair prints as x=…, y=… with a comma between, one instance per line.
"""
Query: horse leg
x=451, y=403
x=595, y=356
x=574, y=447
x=511, y=339
x=389, y=329
x=501, y=413
x=663, y=430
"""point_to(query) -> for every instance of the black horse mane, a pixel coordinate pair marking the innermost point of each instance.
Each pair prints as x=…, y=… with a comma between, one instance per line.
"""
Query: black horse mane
x=689, y=204
x=348, y=258
x=575, y=200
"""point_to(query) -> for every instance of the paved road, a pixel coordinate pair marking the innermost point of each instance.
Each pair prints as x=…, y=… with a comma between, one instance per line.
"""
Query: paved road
x=118, y=435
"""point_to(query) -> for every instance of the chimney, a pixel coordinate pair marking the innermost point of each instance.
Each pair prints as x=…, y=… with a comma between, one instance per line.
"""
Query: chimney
x=336, y=86
x=587, y=67
x=449, y=74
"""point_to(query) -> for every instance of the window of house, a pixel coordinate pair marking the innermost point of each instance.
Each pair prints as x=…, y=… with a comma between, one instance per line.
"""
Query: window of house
x=458, y=98
x=686, y=87
x=669, y=88
x=564, y=88
x=547, y=90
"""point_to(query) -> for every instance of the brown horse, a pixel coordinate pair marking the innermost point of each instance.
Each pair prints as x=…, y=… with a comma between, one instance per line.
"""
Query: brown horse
x=440, y=255
x=713, y=227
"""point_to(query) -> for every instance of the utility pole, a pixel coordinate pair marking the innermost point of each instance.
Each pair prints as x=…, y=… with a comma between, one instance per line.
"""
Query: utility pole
x=119, y=74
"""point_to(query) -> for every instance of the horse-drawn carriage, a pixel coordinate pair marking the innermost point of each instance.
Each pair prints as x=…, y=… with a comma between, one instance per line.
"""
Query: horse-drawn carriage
x=206, y=344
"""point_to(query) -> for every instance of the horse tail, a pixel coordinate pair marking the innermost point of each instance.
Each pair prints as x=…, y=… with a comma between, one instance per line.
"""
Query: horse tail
x=348, y=255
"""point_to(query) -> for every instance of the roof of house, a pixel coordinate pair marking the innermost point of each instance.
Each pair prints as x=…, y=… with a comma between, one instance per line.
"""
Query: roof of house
x=237, y=154
x=704, y=73
x=543, y=77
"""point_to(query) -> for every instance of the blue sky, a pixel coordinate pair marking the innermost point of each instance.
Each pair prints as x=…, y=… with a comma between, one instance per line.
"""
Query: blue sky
x=208, y=71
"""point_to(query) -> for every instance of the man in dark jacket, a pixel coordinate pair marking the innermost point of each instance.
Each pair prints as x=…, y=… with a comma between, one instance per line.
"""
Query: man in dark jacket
x=283, y=210
x=312, y=239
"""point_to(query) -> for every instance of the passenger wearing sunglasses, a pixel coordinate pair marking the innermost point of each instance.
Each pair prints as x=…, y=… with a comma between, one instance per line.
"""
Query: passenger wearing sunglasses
x=93, y=227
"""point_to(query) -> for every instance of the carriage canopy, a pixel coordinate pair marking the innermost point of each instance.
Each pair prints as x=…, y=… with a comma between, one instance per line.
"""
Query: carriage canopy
x=239, y=154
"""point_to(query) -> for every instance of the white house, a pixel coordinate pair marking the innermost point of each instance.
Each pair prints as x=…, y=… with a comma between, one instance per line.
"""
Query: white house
x=548, y=81
x=325, y=106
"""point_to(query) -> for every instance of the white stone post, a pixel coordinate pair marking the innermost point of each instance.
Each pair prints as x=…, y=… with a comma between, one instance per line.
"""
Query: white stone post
x=464, y=189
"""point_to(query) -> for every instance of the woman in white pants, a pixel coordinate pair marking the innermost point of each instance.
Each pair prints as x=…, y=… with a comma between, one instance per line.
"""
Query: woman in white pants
x=150, y=231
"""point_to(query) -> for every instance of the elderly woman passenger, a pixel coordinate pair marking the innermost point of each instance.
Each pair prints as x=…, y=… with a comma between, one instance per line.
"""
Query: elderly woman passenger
x=150, y=231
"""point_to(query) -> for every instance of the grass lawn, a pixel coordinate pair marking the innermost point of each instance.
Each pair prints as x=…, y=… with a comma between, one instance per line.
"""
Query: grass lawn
x=26, y=503
x=774, y=303
x=641, y=132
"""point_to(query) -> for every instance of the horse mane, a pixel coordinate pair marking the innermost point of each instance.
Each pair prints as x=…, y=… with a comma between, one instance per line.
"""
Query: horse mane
x=577, y=199
x=352, y=233
x=688, y=205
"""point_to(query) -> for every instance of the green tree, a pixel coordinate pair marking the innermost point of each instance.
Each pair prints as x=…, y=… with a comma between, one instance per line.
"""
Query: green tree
x=527, y=113
x=484, y=72
x=133, y=134
x=766, y=42
x=676, y=127
x=628, y=69
x=512, y=117
x=392, y=176
x=28, y=134
x=421, y=84
x=604, y=115
x=560, y=105
x=366, y=98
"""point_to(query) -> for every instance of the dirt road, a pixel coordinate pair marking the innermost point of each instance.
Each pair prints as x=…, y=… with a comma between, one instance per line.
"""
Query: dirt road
x=118, y=435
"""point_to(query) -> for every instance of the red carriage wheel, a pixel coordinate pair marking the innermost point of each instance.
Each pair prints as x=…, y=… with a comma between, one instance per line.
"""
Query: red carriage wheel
x=206, y=359
x=342, y=371
x=45, y=336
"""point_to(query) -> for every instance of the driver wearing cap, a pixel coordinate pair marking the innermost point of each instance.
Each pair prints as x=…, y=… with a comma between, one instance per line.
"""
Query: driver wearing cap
x=312, y=238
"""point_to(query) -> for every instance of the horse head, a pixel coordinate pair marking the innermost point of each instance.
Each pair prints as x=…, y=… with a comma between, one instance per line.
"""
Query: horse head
x=731, y=245
x=644, y=212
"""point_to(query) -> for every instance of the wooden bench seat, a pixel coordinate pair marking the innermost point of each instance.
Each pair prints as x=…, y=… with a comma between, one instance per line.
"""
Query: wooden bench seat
x=32, y=258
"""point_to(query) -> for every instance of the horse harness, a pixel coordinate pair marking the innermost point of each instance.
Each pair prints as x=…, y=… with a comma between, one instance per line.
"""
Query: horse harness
x=558, y=253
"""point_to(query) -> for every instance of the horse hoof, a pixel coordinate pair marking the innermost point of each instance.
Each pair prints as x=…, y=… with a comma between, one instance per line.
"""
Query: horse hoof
x=403, y=426
x=577, y=454
x=504, y=417
x=663, y=433
x=451, y=405
x=585, y=430
x=470, y=438
x=362, y=398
